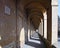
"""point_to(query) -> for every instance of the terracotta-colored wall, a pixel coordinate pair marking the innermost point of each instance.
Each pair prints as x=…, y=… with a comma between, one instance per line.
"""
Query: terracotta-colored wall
x=7, y=23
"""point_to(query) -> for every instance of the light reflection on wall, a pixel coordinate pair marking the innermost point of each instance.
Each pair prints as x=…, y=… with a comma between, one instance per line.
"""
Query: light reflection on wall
x=0, y=46
x=22, y=37
x=0, y=37
x=45, y=24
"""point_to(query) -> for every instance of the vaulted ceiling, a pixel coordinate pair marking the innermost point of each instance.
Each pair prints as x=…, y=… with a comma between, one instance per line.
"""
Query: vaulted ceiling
x=35, y=9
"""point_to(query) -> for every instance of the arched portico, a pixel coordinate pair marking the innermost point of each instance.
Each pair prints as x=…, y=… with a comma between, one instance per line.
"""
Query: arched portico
x=28, y=16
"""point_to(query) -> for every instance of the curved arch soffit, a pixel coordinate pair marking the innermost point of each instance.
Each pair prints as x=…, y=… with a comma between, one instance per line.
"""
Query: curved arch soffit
x=34, y=4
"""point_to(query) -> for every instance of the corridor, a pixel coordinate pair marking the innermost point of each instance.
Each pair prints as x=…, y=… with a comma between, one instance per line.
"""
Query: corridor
x=28, y=23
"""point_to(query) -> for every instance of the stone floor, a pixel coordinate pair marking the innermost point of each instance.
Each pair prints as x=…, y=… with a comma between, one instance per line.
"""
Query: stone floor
x=59, y=42
x=34, y=43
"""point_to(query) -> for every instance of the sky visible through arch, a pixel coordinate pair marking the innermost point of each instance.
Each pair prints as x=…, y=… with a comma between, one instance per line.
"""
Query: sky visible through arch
x=59, y=8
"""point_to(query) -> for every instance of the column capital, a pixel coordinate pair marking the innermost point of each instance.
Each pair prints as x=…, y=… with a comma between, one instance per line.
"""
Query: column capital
x=54, y=2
